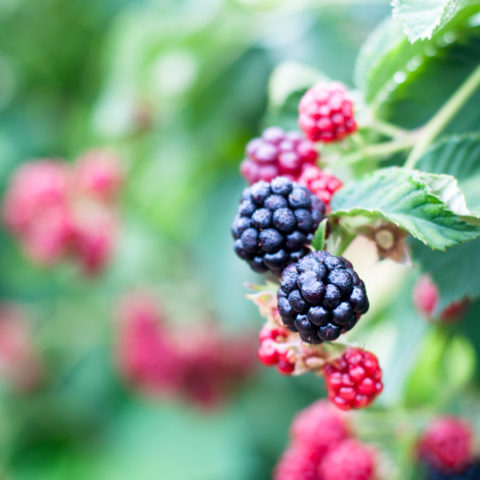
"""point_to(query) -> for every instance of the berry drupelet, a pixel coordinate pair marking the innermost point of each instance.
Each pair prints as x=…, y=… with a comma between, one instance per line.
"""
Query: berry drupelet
x=277, y=153
x=275, y=223
x=326, y=113
x=321, y=296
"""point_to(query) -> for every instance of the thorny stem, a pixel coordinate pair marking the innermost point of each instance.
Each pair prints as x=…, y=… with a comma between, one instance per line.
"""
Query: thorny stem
x=440, y=120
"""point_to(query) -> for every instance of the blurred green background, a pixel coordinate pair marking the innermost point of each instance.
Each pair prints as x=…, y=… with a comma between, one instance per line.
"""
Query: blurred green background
x=177, y=88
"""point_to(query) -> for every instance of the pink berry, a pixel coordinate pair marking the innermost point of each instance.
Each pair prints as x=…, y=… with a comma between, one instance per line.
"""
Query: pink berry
x=319, y=426
x=297, y=463
x=322, y=184
x=277, y=153
x=354, y=380
x=326, y=113
x=447, y=444
x=99, y=173
x=425, y=296
x=272, y=333
x=350, y=460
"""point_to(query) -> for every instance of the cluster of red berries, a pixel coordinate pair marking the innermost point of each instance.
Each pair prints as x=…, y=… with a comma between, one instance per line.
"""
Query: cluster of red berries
x=354, y=380
x=426, y=297
x=271, y=352
x=20, y=363
x=325, y=115
x=446, y=447
x=58, y=211
x=157, y=360
x=323, y=448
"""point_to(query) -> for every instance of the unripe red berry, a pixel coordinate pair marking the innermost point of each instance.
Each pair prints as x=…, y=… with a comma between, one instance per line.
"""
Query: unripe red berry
x=326, y=113
x=285, y=365
x=354, y=380
x=426, y=298
x=350, y=460
x=272, y=333
x=319, y=426
x=267, y=353
x=99, y=173
x=277, y=153
x=447, y=445
x=297, y=463
x=322, y=184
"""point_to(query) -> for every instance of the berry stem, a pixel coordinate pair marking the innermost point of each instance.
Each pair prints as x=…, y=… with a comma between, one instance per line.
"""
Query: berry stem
x=388, y=129
x=378, y=150
x=441, y=119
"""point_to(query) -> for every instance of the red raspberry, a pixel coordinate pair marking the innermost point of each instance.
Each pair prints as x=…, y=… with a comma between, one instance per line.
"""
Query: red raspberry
x=297, y=463
x=350, y=460
x=354, y=380
x=326, y=113
x=322, y=184
x=320, y=427
x=447, y=445
x=277, y=153
x=267, y=353
x=426, y=297
x=99, y=173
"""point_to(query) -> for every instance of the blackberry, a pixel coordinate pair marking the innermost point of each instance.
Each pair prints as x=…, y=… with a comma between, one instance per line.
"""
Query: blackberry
x=275, y=223
x=471, y=473
x=321, y=297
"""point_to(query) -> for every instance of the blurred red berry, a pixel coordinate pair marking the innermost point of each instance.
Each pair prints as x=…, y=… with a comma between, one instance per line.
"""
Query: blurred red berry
x=447, y=445
x=322, y=184
x=99, y=173
x=20, y=364
x=354, y=380
x=426, y=298
x=326, y=113
x=277, y=153
x=350, y=460
x=319, y=426
x=297, y=463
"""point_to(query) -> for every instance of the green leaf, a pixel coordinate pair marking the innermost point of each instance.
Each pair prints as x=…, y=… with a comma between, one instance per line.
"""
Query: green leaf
x=455, y=272
x=458, y=156
x=318, y=242
x=399, y=80
x=421, y=18
x=409, y=199
x=288, y=83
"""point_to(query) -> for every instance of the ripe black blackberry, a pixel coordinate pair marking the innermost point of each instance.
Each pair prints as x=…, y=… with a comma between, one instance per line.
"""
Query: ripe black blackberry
x=471, y=473
x=275, y=223
x=321, y=297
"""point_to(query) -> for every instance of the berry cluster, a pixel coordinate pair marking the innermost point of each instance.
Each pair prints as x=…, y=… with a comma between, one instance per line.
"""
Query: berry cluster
x=322, y=449
x=321, y=297
x=158, y=361
x=59, y=211
x=354, y=380
x=270, y=353
x=426, y=297
x=277, y=153
x=20, y=362
x=275, y=223
x=447, y=448
x=326, y=113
